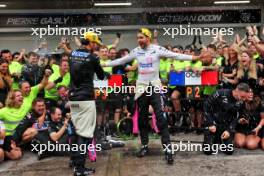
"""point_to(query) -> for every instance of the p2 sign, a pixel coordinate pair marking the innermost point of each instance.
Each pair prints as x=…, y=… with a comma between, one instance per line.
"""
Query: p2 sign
x=193, y=92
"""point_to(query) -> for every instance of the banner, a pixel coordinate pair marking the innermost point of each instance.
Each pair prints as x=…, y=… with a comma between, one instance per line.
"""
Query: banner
x=118, y=19
x=113, y=81
x=204, y=78
x=206, y=17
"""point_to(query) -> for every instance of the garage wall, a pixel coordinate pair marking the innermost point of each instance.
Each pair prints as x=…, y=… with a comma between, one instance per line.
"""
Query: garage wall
x=16, y=41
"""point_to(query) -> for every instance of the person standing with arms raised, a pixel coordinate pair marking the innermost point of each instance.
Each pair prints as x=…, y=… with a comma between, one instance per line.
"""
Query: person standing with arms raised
x=148, y=57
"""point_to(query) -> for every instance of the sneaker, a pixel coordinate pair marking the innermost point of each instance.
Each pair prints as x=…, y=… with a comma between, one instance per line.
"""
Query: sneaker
x=143, y=151
x=105, y=144
x=168, y=157
x=89, y=170
x=116, y=144
x=83, y=171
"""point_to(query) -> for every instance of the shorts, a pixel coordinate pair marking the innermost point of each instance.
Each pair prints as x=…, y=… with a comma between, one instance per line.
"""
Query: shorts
x=101, y=106
x=244, y=129
x=115, y=102
x=83, y=117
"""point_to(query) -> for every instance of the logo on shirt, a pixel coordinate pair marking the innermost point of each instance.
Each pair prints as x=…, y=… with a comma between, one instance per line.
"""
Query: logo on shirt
x=80, y=54
x=147, y=64
x=141, y=54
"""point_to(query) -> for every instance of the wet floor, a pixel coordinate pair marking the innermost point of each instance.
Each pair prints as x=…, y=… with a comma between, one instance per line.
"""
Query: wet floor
x=122, y=162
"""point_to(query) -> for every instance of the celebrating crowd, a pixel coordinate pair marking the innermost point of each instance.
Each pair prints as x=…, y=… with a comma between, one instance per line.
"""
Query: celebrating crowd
x=34, y=91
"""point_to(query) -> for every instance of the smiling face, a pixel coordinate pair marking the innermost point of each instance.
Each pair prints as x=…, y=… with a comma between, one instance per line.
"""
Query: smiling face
x=39, y=107
x=25, y=88
x=7, y=56
x=232, y=53
x=112, y=53
x=18, y=98
x=56, y=115
x=64, y=66
x=250, y=96
x=142, y=40
x=103, y=53
x=63, y=92
x=245, y=59
x=33, y=59
x=4, y=68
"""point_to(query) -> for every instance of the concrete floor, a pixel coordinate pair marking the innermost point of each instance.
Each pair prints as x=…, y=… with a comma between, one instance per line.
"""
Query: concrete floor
x=122, y=162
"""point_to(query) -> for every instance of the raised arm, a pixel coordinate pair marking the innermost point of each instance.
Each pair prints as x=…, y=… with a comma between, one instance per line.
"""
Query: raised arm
x=121, y=60
x=163, y=52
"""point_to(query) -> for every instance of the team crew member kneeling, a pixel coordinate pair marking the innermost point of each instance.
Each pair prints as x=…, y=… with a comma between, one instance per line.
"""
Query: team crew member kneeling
x=148, y=57
x=249, y=130
x=221, y=112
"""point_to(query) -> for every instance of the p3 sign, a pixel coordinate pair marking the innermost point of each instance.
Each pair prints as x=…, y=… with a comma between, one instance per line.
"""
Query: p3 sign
x=193, y=92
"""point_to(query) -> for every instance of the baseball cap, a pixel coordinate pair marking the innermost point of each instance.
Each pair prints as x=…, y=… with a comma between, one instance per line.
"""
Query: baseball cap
x=146, y=32
x=92, y=37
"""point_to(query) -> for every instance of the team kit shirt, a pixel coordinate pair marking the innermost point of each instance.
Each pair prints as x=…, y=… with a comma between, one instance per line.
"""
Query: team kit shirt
x=28, y=100
x=15, y=68
x=148, y=61
x=11, y=117
x=52, y=93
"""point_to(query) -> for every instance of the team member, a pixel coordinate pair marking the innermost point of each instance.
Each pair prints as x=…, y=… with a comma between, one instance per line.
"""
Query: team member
x=148, y=57
x=31, y=72
x=36, y=122
x=63, y=101
x=83, y=65
x=55, y=80
x=58, y=129
x=221, y=116
x=5, y=81
x=30, y=93
x=2, y=138
x=249, y=130
x=11, y=115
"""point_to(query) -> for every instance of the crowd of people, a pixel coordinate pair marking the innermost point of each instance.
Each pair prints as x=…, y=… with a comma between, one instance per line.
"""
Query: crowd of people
x=34, y=92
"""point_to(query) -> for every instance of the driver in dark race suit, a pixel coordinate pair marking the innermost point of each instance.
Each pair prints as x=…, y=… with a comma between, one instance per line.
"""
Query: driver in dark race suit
x=83, y=65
